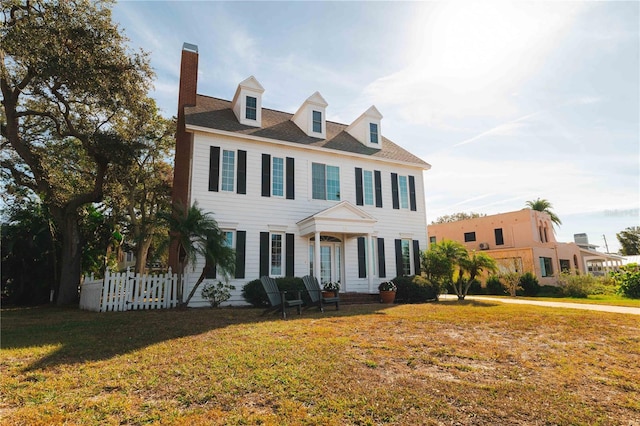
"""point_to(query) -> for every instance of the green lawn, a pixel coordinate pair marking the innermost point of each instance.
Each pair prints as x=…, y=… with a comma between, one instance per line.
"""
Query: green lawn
x=441, y=363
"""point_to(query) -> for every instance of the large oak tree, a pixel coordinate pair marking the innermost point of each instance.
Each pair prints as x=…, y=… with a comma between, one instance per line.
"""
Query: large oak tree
x=68, y=83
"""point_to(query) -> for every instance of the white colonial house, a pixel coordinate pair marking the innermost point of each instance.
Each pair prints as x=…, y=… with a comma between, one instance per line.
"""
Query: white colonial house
x=297, y=194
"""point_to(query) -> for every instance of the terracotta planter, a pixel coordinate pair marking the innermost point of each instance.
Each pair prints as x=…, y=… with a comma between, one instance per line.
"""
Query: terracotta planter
x=387, y=296
x=327, y=294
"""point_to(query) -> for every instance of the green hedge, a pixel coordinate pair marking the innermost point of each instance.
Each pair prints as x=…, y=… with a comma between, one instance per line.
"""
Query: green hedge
x=415, y=289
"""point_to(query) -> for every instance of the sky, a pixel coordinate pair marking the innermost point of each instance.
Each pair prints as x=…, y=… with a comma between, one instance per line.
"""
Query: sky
x=508, y=101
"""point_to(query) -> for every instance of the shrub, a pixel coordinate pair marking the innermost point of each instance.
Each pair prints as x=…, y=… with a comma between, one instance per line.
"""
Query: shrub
x=578, y=286
x=416, y=289
x=550, y=291
x=628, y=278
x=254, y=293
x=494, y=286
x=529, y=284
x=217, y=293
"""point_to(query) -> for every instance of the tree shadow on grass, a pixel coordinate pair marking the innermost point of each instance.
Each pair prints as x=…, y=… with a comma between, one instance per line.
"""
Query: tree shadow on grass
x=469, y=302
x=83, y=336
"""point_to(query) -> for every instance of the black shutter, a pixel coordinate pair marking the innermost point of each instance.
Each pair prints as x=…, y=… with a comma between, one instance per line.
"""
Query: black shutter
x=399, y=267
x=412, y=193
x=209, y=268
x=382, y=267
x=242, y=172
x=241, y=244
x=266, y=176
x=378, y=187
x=416, y=257
x=264, y=253
x=394, y=191
x=362, y=258
x=291, y=172
x=214, y=168
x=359, y=195
x=289, y=258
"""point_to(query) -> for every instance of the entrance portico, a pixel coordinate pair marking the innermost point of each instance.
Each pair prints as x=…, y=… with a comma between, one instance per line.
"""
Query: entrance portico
x=336, y=224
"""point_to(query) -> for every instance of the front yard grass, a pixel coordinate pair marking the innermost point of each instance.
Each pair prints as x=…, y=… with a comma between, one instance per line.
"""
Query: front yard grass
x=593, y=299
x=464, y=363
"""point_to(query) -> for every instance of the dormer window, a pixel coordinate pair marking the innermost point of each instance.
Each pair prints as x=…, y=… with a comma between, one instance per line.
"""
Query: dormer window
x=252, y=108
x=311, y=116
x=247, y=102
x=317, y=122
x=366, y=128
x=373, y=132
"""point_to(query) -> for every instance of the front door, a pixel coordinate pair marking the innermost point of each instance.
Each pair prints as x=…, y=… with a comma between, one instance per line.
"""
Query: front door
x=330, y=259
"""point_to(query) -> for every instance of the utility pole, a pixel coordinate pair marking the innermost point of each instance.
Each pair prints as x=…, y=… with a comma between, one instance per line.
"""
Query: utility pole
x=605, y=243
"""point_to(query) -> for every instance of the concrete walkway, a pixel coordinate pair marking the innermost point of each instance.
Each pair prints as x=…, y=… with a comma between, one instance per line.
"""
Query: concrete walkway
x=585, y=306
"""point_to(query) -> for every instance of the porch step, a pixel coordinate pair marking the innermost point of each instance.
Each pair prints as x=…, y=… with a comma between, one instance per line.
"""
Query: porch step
x=359, y=298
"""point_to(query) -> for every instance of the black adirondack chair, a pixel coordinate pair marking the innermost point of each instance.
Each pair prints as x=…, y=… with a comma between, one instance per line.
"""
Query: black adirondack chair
x=315, y=293
x=277, y=298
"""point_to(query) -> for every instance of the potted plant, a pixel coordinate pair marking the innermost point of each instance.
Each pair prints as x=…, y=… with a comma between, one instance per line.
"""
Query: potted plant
x=330, y=289
x=387, y=291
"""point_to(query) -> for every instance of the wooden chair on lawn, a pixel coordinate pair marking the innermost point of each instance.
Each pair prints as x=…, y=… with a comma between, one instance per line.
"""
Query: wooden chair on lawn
x=278, y=299
x=315, y=293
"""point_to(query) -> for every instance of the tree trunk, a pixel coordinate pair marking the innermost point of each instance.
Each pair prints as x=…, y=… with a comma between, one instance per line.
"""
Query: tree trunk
x=197, y=284
x=71, y=260
x=142, y=251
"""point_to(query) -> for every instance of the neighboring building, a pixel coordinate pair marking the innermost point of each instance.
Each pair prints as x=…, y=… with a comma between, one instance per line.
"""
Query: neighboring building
x=522, y=241
x=596, y=263
x=294, y=191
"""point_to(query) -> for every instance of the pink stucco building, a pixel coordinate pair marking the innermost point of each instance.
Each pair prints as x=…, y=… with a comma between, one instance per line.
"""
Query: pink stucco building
x=522, y=240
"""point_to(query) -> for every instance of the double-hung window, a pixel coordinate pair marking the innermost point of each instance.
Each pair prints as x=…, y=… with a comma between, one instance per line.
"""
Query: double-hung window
x=406, y=257
x=317, y=121
x=373, y=132
x=367, y=187
x=252, y=108
x=276, y=255
x=228, y=170
x=325, y=182
x=403, y=192
x=277, y=177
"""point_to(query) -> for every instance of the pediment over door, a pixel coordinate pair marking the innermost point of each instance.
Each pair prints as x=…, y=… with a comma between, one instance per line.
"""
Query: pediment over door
x=343, y=218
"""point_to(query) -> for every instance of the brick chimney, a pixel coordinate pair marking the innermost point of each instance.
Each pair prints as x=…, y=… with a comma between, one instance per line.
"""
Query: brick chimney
x=184, y=145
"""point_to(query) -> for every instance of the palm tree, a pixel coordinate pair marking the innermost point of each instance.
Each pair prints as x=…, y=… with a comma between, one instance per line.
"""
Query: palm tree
x=542, y=205
x=452, y=254
x=474, y=265
x=197, y=234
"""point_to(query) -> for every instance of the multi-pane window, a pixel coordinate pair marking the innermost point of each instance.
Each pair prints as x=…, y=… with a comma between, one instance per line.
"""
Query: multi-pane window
x=406, y=257
x=367, y=186
x=252, y=108
x=499, y=237
x=565, y=265
x=277, y=177
x=228, y=238
x=325, y=182
x=317, y=121
x=228, y=170
x=546, y=267
x=432, y=240
x=373, y=132
x=276, y=254
x=469, y=236
x=403, y=192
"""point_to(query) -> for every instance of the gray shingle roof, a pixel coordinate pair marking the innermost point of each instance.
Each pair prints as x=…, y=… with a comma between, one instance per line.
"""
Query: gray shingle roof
x=217, y=114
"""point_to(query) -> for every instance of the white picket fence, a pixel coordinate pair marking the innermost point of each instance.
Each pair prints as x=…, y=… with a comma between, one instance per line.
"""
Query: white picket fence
x=127, y=291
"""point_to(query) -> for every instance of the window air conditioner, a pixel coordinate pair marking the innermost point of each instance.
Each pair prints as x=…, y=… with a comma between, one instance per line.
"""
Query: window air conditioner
x=484, y=246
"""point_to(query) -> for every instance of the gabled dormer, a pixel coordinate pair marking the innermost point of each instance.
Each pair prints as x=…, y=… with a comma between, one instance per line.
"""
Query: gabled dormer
x=247, y=102
x=366, y=128
x=311, y=116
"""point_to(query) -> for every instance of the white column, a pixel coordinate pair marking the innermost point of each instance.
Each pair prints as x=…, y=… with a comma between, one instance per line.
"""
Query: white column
x=316, y=257
x=370, y=261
